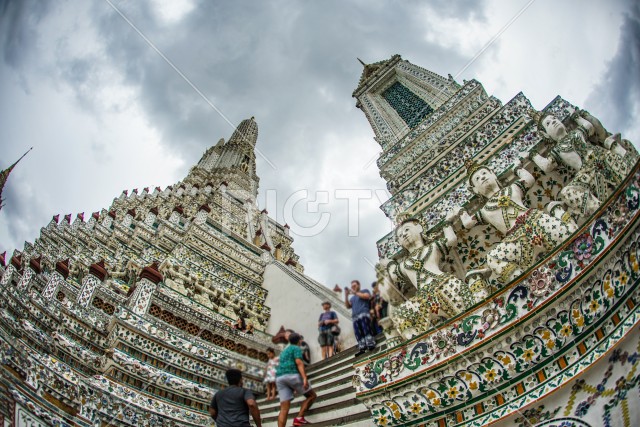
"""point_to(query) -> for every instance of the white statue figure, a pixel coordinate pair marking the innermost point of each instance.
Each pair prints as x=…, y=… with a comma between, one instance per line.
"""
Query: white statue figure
x=170, y=279
x=598, y=170
x=177, y=278
x=528, y=232
x=438, y=295
x=203, y=298
x=118, y=272
x=611, y=141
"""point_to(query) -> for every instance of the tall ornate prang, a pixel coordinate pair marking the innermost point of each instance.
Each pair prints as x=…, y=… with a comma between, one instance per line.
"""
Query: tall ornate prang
x=538, y=214
x=232, y=163
x=396, y=95
x=128, y=318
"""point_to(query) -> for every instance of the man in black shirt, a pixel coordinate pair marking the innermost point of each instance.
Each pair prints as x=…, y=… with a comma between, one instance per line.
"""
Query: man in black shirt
x=231, y=407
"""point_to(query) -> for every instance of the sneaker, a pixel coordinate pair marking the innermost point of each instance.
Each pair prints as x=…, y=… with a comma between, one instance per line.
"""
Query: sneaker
x=360, y=353
x=300, y=421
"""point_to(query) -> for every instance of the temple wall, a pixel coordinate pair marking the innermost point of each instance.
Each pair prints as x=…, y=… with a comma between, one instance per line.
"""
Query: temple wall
x=304, y=303
x=603, y=394
x=512, y=274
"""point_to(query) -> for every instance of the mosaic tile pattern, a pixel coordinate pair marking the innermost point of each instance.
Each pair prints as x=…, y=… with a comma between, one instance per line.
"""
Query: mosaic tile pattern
x=532, y=335
x=118, y=348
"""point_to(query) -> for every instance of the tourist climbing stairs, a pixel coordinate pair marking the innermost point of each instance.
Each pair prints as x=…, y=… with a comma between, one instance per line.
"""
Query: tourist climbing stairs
x=336, y=404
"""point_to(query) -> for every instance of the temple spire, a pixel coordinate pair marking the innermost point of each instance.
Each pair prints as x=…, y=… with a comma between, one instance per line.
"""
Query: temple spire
x=232, y=162
x=360, y=60
x=4, y=175
x=396, y=96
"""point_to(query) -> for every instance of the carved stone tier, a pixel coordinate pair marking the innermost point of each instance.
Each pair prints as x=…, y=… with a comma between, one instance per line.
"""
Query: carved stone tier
x=525, y=341
x=126, y=319
x=500, y=142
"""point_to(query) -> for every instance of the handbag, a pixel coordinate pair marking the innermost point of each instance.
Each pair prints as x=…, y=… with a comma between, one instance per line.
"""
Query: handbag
x=335, y=330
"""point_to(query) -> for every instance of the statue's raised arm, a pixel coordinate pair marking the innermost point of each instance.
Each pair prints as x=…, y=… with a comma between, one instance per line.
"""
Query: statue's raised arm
x=438, y=295
x=598, y=169
x=528, y=232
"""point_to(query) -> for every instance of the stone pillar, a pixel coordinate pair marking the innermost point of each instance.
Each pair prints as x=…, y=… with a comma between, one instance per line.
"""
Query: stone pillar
x=8, y=274
x=93, y=220
x=128, y=218
x=54, y=222
x=107, y=220
x=55, y=278
x=27, y=276
x=29, y=273
x=176, y=215
x=141, y=299
x=52, y=285
x=201, y=216
x=78, y=221
x=264, y=222
x=96, y=275
x=150, y=219
x=251, y=231
x=14, y=267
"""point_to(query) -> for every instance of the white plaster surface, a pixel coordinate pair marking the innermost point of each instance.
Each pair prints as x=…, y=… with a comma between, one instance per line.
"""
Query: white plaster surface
x=297, y=306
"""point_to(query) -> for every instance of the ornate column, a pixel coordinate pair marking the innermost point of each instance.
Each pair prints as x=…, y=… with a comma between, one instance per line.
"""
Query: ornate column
x=176, y=214
x=14, y=266
x=107, y=221
x=150, y=219
x=29, y=273
x=55, y=278
x=8, y=273
x=264, y=221
x=96, y=275
x=128, y=218
x=93, y=220
x=141, y=298
x=201, y=216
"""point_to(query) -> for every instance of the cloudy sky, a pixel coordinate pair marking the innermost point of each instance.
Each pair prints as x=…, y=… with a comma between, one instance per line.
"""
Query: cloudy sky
x=117, y=95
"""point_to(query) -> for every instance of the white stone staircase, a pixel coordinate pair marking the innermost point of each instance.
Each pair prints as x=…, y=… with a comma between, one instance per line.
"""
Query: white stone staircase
x=336, y=404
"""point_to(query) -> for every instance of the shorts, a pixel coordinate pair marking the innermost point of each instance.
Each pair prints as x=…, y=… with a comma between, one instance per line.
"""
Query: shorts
x=289, y=383
x=326, y=338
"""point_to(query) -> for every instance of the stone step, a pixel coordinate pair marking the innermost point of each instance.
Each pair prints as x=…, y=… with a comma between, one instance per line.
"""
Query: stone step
x=340, y=388
x=339, y=410
x=344, y=358
x=328, y=380
x=323, y=394
x=340, y=378
x=336, y=403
